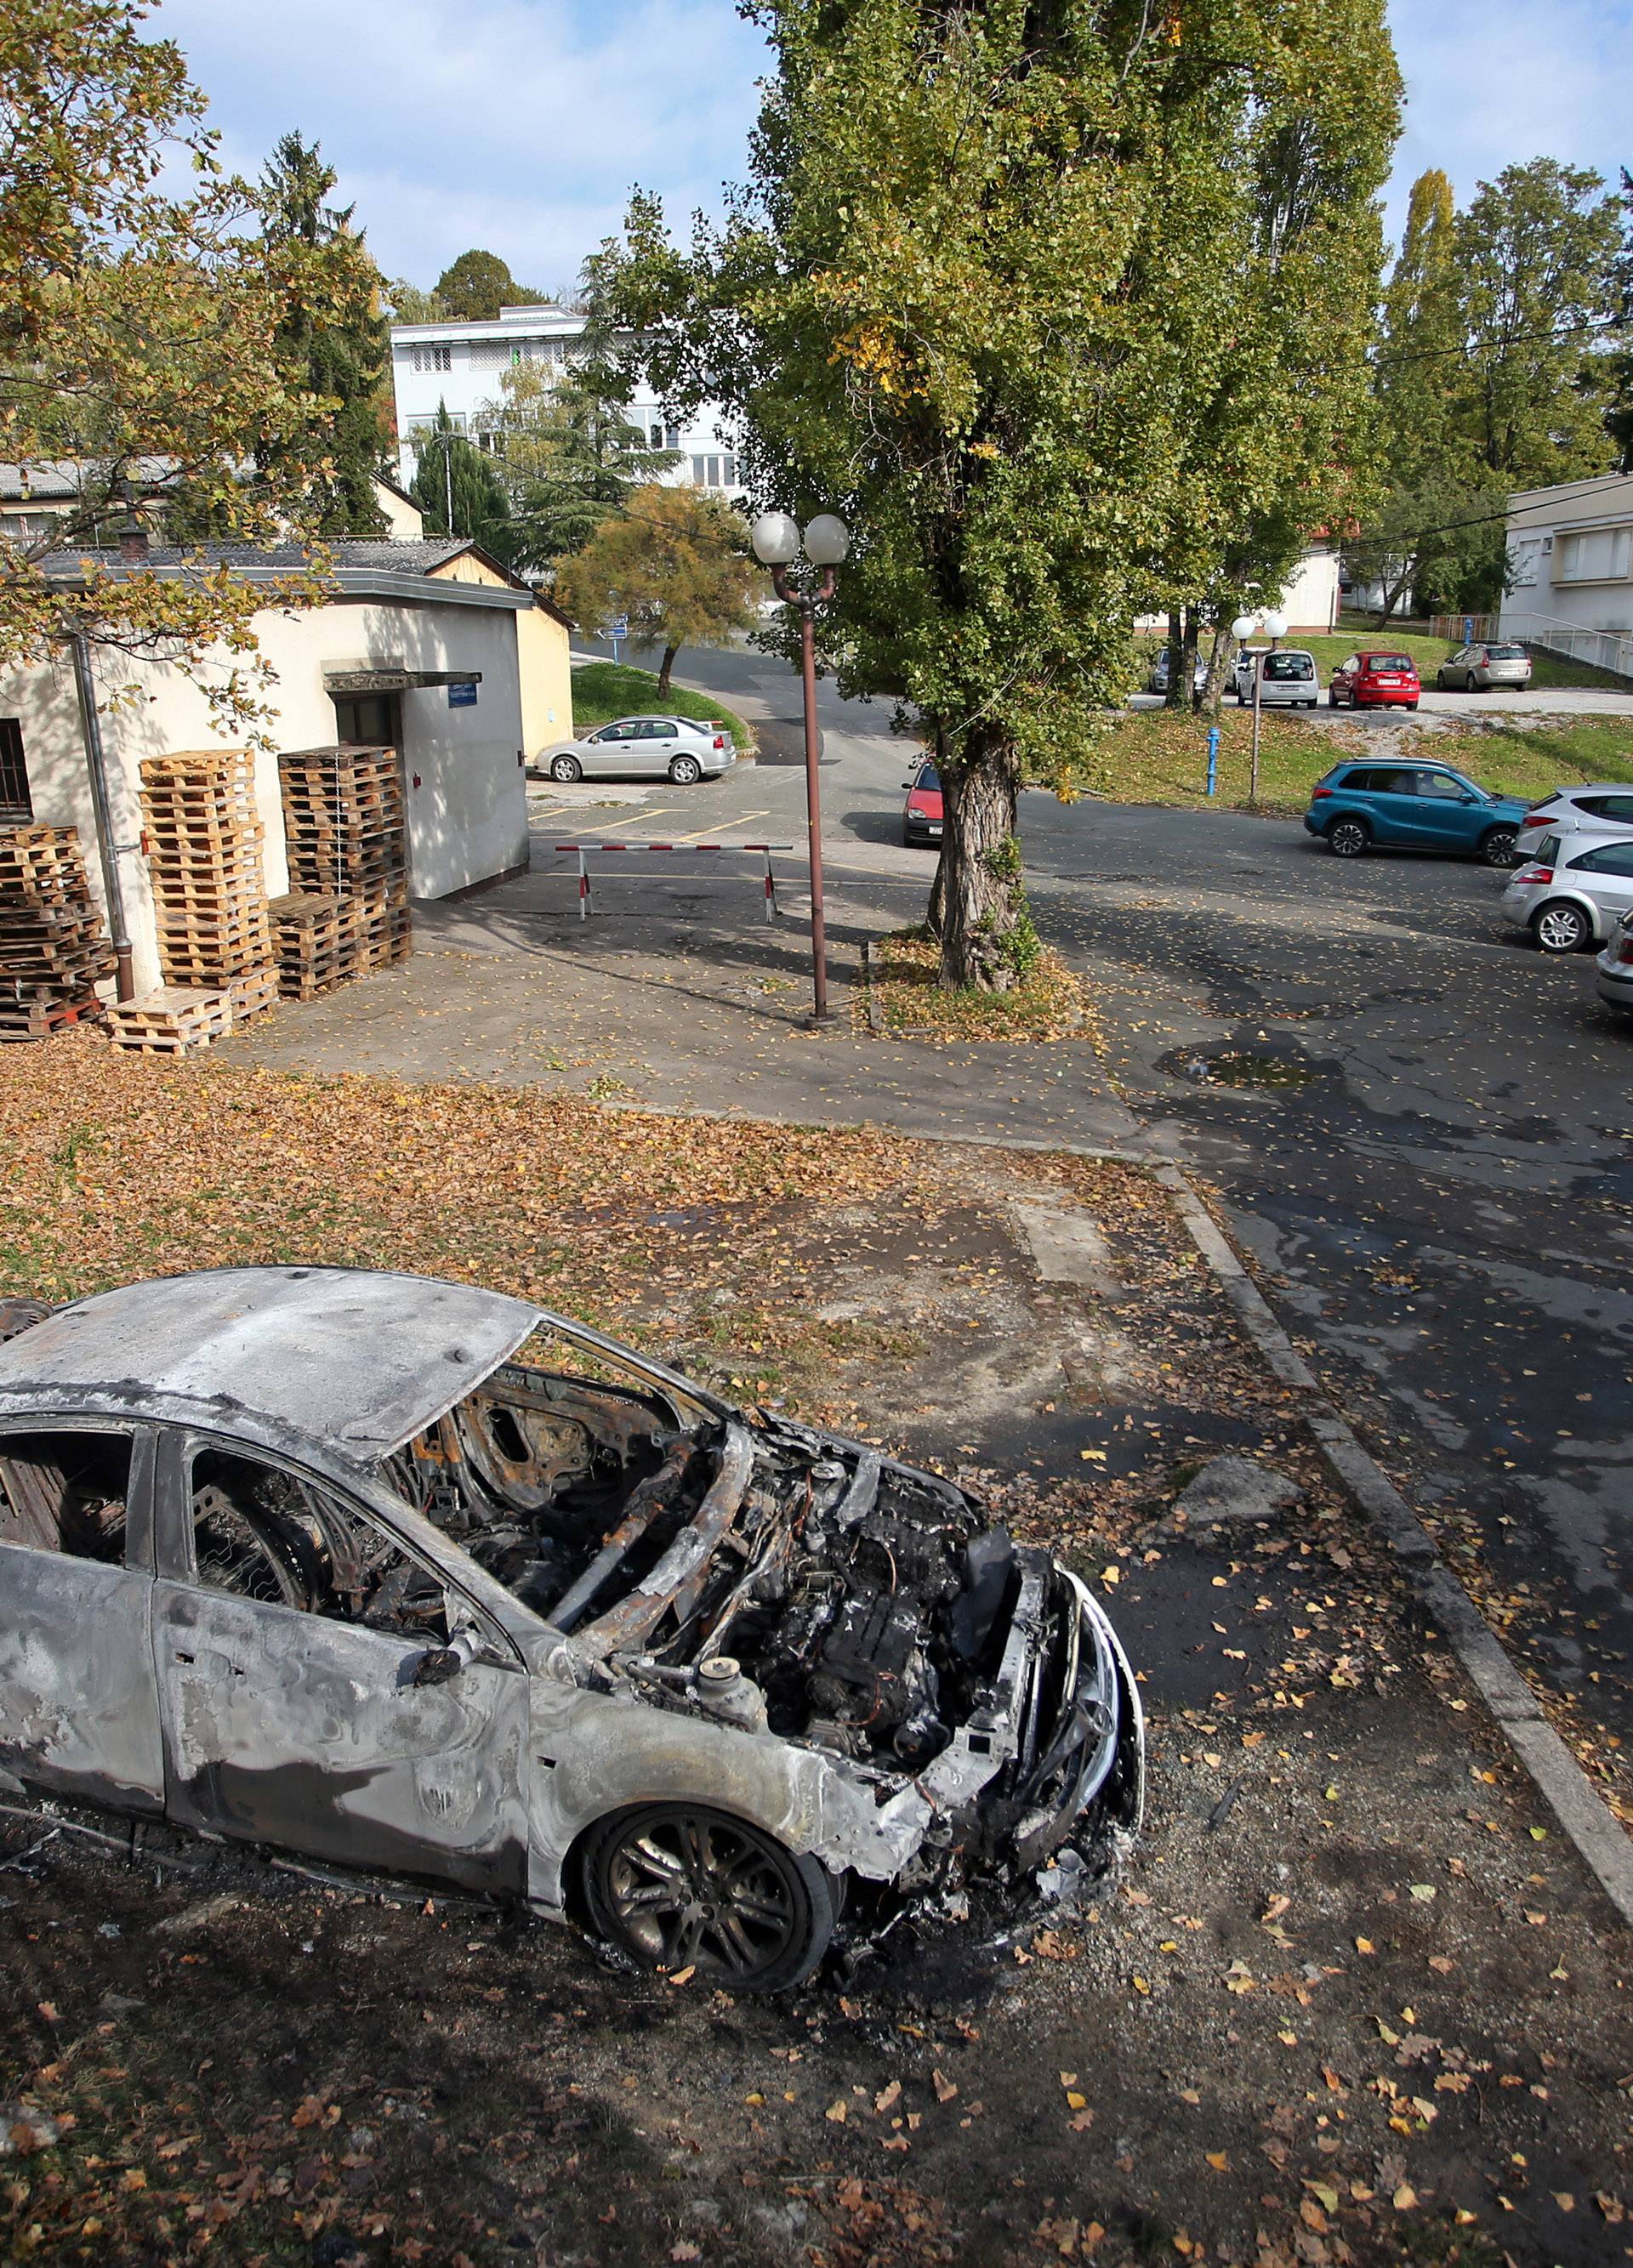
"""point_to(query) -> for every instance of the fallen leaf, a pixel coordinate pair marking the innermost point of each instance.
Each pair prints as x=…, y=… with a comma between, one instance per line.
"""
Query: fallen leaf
x=1404, y=2198
x=888, y=2097
x=837, y=2112
x=1219, y=2160
x=945, y=2088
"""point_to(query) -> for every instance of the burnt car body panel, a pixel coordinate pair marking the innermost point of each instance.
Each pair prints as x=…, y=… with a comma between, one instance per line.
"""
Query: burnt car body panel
x=448, y=1651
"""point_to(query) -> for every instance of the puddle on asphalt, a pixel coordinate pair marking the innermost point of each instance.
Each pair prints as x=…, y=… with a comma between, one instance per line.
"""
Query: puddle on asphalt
x=1237, y=1069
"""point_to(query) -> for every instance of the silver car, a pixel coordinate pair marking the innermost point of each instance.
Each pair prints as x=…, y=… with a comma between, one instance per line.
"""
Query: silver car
x=1478, y=667
x=309, y=1558
x=1599, y=808
x=1573, y=890
x=1614, y=968
x=682, y=749
x=1290, y=679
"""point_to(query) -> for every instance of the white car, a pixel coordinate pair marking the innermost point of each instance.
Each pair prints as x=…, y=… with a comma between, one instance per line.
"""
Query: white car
x=1290, y=679
x=1601, y=807
x=682, y=749
x=1574, y=890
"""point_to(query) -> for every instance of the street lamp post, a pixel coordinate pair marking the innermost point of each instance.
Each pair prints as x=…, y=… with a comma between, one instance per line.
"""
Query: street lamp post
x=1274, y=627
x=776, y=539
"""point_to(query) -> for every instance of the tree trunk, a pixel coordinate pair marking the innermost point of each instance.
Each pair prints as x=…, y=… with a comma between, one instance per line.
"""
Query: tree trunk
x=982, y=905
x=670, y=652
x=1212, y=692
x=1187, y=656
x=1178, y=694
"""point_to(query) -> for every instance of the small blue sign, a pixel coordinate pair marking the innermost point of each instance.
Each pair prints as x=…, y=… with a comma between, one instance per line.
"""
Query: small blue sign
x=619, y=629
x=462, y=696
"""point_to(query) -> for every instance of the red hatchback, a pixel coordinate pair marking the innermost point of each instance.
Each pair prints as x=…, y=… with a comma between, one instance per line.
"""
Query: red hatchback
x=1385, y=680
x=921, y=820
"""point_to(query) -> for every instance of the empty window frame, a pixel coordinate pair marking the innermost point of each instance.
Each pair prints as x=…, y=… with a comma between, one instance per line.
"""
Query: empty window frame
x=433, y=358
x=66, y=1491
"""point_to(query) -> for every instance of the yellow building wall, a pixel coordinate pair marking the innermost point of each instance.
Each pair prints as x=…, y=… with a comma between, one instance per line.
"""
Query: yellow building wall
x=543, y=660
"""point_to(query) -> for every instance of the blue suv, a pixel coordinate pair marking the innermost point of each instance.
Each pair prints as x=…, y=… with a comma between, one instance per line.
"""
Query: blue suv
x=1412, y=807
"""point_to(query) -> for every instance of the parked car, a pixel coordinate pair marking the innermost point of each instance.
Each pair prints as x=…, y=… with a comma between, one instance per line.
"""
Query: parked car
x=1289, y=678
x=1412, y=807
x=1598, y=806
x=1477, y=668
x=307, y=1556
x=1574, y=892
x=1157, y=682
x=684, y=748
x=1614, y=970
x=922, y=816
x=1384, y=678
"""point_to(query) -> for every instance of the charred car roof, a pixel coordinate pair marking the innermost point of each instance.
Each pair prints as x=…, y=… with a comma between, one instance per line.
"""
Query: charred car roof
x=357, y=1358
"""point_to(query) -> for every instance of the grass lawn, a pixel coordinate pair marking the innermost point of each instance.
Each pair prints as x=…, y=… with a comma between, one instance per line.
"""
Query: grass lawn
x=603, y=690
x=1157, y=756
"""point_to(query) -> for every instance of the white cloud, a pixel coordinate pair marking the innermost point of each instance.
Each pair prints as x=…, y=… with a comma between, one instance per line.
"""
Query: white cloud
x=1493, y=83
x=519, y=125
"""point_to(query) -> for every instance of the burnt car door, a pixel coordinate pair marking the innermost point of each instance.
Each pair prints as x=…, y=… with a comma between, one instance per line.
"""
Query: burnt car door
x=79, y=1710
x=321, y=1687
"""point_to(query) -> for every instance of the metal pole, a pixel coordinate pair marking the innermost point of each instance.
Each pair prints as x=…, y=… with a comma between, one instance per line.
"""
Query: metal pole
x=583, y=888
x=124, y=980
x=1213, y=760
x=448, y=476
x=813, y=803
x=1252, y=782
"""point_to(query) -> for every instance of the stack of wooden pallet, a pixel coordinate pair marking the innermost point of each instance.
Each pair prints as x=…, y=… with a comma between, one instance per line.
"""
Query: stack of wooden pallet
x=346, y=836
x=203, y=853
x=171, y=1021
x=53, y=950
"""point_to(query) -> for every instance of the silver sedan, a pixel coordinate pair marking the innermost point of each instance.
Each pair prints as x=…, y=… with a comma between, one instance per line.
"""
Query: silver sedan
x=681, y=748
x=1477, y=668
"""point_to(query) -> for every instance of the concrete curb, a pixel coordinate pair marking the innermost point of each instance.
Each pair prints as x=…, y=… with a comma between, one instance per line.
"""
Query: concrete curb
x=1600, y=1838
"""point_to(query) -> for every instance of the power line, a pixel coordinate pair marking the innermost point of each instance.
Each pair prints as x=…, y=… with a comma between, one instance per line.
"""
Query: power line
x=1623, y=481
x=1521, y=339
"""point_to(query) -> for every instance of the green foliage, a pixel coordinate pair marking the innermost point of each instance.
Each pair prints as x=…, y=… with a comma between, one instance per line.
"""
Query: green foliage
x=140, y=324
x=474, y=288
x=403, y=302
x=1053, y=304
x=1492, y=375
x=331, y=337
x=676, y=561
x=571, y=457
x=457, y=490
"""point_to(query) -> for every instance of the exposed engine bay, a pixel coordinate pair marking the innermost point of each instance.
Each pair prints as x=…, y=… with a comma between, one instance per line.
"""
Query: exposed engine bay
x=778, y=1580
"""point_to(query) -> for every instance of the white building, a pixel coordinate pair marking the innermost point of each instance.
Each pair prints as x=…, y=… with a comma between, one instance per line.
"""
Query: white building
x=1570, y=568
x=459, y=366
x=1310, y=601
x=403, y=649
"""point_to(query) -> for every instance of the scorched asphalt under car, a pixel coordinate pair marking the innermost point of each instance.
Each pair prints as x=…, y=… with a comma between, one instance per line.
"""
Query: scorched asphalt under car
x=306, y=1556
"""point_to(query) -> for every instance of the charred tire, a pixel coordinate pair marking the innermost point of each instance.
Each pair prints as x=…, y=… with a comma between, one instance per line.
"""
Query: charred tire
x=1561, y=927
x=1496, y=846
x=678, y=1885
x=685, y=771
x=1348, y=838
x=566, y=767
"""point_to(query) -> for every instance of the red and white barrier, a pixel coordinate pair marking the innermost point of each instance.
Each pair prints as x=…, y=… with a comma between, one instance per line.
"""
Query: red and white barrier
x=762, y=849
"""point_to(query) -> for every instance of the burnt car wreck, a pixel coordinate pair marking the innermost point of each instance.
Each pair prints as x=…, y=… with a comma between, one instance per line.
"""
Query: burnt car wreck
x=311, y=1558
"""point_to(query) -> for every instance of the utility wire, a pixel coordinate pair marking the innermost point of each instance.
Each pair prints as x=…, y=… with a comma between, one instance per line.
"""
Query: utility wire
x=1520, y=339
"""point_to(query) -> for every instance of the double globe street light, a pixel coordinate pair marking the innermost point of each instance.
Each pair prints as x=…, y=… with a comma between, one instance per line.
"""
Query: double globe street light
x=1274, y=627
x=777, y=543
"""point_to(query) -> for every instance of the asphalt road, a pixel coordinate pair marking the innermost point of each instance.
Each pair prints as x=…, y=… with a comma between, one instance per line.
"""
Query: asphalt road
x=1419, y=1126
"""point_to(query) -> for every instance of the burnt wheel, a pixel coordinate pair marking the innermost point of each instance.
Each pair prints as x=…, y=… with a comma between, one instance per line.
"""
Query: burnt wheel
x=675, y=1885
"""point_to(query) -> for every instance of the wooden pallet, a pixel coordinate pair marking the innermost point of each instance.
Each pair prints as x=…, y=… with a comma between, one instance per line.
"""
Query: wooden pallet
x=252, y=996
x=41, y=865
x=171, y=1020
x=41, y=1018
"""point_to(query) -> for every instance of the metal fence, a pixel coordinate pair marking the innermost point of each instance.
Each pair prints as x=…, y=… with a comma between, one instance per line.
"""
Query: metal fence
x=1607, y=649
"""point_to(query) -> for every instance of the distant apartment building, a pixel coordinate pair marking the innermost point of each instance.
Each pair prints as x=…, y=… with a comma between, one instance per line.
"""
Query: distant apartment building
x=459, y=365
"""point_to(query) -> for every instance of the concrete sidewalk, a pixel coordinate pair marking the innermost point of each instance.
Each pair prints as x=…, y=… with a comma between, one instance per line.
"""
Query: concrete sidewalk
x=681, y=999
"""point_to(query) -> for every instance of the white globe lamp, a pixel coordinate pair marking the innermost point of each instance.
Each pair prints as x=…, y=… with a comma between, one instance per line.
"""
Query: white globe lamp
x=775, y=536
x=827, y=539
x=1244, y=626
x=1276, y=626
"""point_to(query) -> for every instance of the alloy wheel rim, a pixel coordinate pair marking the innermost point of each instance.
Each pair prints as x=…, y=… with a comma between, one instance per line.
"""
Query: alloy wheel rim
x=1559, y=930
x=689, y=1890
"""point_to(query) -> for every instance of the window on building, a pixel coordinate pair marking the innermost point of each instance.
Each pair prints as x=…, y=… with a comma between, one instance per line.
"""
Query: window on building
x=1594, y=555
x=367, y=721
x=17, y=806
x=23, y=526
x=1524, y=558
x=433, y=357
x=65, y=1491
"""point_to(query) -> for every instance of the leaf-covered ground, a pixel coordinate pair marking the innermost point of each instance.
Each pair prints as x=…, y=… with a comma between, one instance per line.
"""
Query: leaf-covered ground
x=1353, y=2003
x=905, y=996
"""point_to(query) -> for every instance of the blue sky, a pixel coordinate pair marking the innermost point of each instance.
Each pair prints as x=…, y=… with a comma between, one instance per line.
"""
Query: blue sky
x=519, y=124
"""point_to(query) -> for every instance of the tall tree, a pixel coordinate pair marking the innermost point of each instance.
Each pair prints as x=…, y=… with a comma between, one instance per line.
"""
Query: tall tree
x=458, y=490
x=403, y=302
x=987, y=266
x=1536, y=254
x=137, y=325
x=571, y=455
x=1619, y=415
x=331, y=335
x=676, y=561
x=474, y=288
